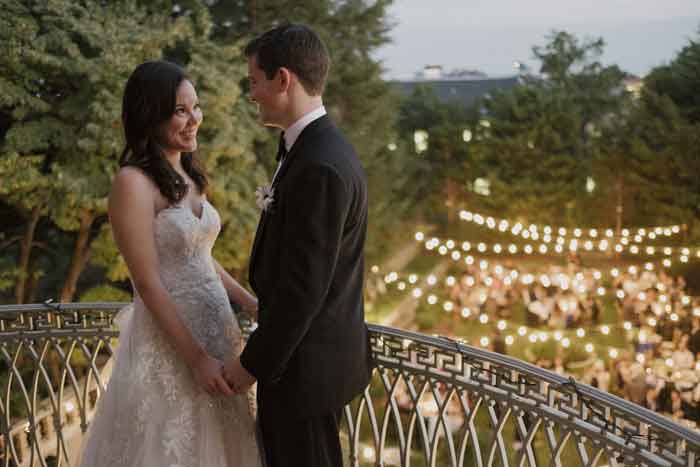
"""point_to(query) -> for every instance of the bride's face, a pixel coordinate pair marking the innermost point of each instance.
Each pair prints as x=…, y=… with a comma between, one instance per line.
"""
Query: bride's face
x=179, y=133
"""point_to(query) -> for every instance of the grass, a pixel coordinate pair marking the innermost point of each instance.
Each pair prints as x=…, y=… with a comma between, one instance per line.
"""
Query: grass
x=384, y=304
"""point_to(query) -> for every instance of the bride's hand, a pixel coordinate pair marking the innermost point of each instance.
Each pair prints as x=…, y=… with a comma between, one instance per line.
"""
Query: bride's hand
x=252, y=310
x=208, y=374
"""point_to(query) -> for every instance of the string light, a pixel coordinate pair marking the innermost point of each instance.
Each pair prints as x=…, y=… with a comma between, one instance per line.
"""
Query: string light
x=502, y=225
x=561, y=247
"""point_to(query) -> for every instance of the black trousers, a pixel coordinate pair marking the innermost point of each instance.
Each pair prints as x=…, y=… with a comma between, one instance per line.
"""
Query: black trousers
x=309, y=442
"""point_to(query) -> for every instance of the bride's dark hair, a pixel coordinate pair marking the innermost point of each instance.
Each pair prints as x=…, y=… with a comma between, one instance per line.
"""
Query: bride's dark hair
x=150, y=97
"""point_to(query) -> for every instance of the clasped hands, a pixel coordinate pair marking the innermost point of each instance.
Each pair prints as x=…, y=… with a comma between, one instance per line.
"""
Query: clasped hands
x=223, y=379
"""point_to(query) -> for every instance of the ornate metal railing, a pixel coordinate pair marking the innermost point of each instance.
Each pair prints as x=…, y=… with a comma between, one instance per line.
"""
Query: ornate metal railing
x=432, y=402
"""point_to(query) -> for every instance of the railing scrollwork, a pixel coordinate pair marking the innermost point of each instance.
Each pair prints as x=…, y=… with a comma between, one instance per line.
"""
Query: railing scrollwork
x=432, y=401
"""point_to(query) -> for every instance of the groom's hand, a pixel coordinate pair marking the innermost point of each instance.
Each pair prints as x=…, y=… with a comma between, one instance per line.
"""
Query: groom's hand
x=237, y=376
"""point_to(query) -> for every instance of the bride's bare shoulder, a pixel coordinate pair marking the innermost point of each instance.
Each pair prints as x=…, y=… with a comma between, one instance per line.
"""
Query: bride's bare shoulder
x=132, y=185
x=132, y=177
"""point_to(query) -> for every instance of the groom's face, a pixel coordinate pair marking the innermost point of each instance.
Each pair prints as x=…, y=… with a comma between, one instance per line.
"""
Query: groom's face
x=266, y=93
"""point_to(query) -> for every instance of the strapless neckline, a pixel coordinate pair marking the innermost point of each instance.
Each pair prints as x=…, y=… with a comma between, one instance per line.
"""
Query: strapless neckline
x=178, y=206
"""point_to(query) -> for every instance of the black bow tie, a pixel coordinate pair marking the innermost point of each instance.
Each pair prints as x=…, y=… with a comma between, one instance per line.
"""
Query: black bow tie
x=282, y=148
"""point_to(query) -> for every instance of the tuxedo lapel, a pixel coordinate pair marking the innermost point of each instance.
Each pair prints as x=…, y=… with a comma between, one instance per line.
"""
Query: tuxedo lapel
x=258, y=235
x=306, y=136
x=265, y=214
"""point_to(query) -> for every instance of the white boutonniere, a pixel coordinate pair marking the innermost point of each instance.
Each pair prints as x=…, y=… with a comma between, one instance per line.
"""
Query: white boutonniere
x=264, y=197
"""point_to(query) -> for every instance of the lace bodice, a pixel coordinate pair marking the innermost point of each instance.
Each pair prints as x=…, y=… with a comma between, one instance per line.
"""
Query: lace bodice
x=184, y=243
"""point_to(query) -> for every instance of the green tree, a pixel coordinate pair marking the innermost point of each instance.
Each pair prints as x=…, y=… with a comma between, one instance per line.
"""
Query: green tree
x=64, y=65
x=539, y=146
x=666, y=153
x=438, y=169
x=664, y=156
x=527, y=153
x=662, y=136
x=679, y=80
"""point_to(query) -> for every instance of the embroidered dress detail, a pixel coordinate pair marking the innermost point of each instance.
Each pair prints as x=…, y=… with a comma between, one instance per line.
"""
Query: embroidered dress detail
x=153, y=412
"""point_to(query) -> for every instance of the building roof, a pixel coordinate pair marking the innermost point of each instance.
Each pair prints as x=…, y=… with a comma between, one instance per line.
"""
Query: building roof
x=465, y=92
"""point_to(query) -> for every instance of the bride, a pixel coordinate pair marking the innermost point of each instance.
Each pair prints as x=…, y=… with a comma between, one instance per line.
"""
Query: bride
x=167, y=404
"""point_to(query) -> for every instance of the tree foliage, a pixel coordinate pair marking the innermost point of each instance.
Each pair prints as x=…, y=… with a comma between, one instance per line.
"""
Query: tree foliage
x=569, y=146
x=64, y=65
x=437, y=169
x=680, y=80
x=541, y=141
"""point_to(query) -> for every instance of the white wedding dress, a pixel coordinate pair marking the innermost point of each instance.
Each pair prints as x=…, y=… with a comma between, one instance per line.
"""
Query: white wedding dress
x=153, y=413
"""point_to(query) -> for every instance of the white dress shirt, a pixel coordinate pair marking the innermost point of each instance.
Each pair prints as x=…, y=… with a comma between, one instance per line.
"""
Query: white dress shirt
x=292, y=133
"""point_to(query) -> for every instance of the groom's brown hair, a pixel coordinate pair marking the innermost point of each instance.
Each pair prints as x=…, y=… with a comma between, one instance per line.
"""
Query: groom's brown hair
x=295, y=47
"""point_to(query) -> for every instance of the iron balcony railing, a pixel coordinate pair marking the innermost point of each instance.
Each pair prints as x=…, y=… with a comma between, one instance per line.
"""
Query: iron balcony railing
x=432, y=402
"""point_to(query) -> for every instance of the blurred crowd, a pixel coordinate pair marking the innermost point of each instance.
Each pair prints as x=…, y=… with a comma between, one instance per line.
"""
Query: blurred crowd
x=660, y=368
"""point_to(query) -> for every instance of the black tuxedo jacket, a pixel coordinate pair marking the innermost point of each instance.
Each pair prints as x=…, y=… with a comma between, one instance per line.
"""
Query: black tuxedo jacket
x=310, y=352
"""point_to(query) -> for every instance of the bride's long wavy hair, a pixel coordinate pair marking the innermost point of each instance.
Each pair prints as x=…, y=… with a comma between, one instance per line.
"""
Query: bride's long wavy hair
x=150, y=97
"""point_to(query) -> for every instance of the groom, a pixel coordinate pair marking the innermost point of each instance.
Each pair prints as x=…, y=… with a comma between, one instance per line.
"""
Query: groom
x=310, y=352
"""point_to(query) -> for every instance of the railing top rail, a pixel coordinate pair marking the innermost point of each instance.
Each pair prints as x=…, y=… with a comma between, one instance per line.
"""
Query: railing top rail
x=10, y=310
x=447, y=345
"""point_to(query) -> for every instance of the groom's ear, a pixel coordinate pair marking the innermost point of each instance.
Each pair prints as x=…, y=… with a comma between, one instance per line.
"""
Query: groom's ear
x=284, y=78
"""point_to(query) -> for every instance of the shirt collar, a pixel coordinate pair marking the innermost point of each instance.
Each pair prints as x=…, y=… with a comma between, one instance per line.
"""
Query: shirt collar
x=292, y=133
